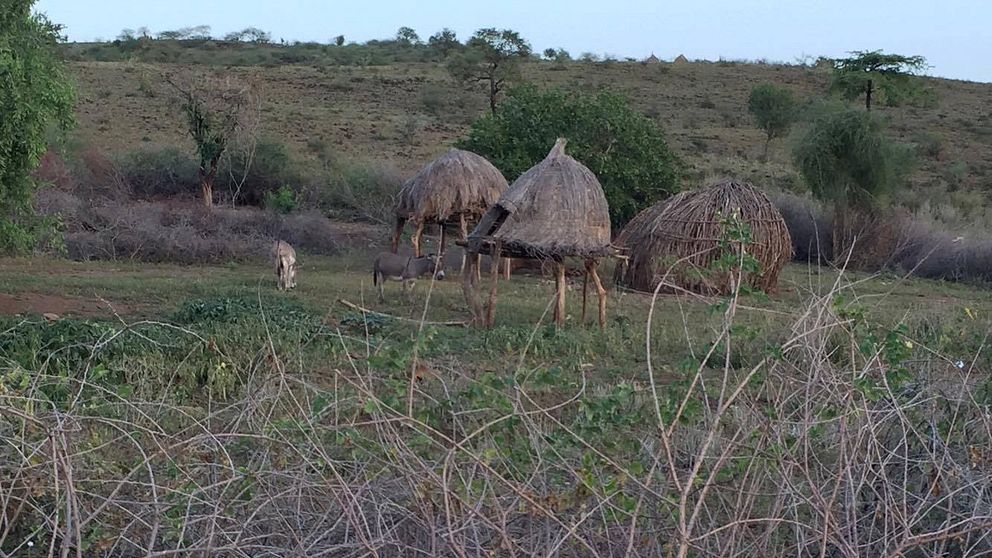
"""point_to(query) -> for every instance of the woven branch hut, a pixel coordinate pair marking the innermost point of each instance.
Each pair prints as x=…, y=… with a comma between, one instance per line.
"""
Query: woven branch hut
x=557, y=209
x=453, y=190
x=681, y=237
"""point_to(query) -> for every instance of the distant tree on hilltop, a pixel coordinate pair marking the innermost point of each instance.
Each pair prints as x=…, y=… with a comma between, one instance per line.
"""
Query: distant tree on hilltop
x=774, y=108
x=492, y=56
x=873, y=72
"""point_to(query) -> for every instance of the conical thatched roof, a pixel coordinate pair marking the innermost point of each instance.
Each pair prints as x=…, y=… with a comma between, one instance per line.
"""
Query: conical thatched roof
x=555, y=209
x=681, y=237
x=680, y=59
x=457, y=182
x=652, y=59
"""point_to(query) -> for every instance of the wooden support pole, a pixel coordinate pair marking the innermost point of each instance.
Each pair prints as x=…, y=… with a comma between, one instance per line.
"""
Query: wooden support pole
x=464, y=232
x=494, y=272
x=417, y=237
x=585, y=294
x=397, y=232
x=506, y=268
x=591, y=266
x=560, y=293
x=470, y=289
x=440, y=250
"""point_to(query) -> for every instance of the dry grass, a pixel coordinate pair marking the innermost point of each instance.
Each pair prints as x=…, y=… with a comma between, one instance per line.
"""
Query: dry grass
x=841, y=442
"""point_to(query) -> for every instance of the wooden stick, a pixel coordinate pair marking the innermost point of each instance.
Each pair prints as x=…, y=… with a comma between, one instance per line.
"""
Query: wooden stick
x=469, y=287
x=591, y=266
x=354, y=306
x=506, y=268
x=464, y=238
x=494, y=272
x=585, y=293
x=560, y=286
x=417, y=237
x=440, y=250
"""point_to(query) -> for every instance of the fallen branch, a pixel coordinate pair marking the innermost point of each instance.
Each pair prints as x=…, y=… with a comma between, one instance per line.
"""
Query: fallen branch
x=354, y=306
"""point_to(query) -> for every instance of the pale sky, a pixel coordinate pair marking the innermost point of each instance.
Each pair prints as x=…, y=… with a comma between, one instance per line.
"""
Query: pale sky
x=954, y=35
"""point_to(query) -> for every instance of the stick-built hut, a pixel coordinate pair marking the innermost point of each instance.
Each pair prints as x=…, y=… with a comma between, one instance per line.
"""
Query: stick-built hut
x=557, y=209
x=678, y=240
x=452, y=191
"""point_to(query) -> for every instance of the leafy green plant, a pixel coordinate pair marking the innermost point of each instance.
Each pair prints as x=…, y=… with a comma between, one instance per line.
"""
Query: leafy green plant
x=35, y=93
x=282, y=200
x=626, y=150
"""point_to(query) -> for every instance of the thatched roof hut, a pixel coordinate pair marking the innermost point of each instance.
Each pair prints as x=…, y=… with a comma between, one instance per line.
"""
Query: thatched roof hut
x=457, y=187
x=681, y=236
x=555, y=209
x=652, y=59
x=680, y=60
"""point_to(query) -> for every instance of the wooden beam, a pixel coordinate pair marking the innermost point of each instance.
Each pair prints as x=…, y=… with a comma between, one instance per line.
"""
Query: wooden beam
x=470, y=289
x=585, y=294
x=560, y=293
x=591, y=266
x=440, y=250
x=494, y=272
x=463, y=226
x=417, y=237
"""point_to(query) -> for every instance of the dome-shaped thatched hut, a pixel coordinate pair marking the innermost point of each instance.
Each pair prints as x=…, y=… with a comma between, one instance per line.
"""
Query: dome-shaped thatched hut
x=681, y=238
x=557, y=209
x=453, y=190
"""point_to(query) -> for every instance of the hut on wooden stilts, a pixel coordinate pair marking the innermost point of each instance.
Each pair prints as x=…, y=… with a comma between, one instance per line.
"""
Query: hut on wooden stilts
x=453, y=192
x=555, y=210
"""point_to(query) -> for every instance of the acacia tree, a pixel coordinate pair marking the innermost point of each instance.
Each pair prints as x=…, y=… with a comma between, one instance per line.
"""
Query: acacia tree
x=444, y=42
x=847, y=161
x=493, y=57
x=869, y=72
x=215, y=111
x=774, y=108
x=626, y=150
x=35, y=92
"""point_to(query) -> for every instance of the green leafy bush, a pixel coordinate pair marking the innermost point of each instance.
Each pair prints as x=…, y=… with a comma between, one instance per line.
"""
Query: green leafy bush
x=626, y=150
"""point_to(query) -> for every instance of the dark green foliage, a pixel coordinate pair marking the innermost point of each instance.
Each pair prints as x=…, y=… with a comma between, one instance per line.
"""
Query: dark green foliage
x=35, y=93
x=846, y=159
x=493, y=57
x=407, y=36
x=269, y=168
x=282, y=200
x=774, y=108
x=870, y=73
x=158, y=172
x=444, y=42
x=626, y=150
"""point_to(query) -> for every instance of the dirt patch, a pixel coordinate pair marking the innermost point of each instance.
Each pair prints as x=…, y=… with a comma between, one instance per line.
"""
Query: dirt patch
x=63, y=306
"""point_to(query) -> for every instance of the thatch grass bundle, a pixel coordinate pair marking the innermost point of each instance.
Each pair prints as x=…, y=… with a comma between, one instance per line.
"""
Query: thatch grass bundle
x=681, y=237
x=456, y=183
x=555, y=209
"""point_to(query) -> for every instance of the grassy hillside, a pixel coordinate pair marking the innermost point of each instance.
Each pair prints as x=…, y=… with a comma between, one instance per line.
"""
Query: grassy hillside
x=404, y=114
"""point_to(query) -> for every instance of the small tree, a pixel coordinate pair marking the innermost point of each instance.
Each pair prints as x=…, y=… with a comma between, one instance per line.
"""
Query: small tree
x=626, y=150
x=868, y=72
x=407, y=36
x=493, y=57
x=774, y=108
x=444, y=42
x=215, y=112
x=339, y=40
x=35, y=93
x=847, y=161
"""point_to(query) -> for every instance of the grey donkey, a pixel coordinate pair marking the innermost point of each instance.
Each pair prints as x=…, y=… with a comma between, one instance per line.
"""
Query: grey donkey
x=286, y=265
x=389, y=266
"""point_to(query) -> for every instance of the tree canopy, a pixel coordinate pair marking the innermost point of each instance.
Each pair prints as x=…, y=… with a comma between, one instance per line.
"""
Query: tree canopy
x=626, y=150
x=874, y=73
x=35, y=93
x=492, y=56
x=774, y=108
x=846, y=158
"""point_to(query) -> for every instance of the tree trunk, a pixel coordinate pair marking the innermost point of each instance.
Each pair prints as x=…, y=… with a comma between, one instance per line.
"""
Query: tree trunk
x=493, y=91
x=207, y=186
x=868, y=91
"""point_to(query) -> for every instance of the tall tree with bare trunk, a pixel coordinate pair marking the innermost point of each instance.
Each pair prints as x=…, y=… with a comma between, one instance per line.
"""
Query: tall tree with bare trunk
x=215, y=111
